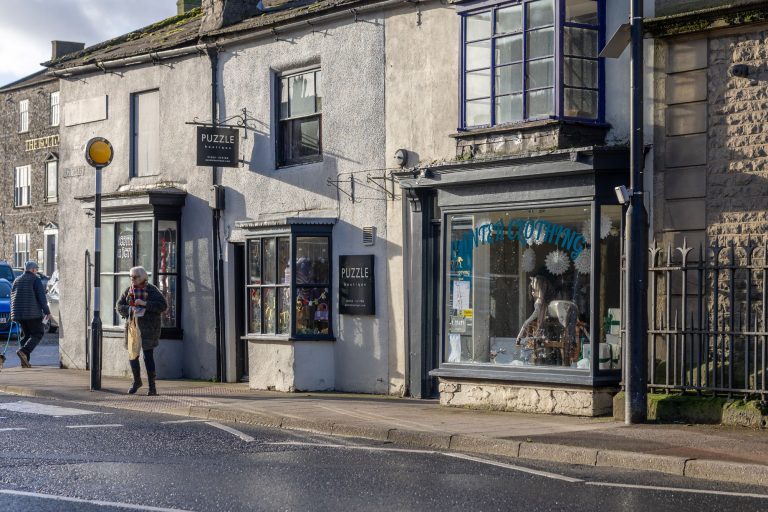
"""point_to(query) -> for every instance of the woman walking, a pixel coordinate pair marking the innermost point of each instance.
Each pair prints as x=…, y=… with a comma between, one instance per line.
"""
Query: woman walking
x=143, y=301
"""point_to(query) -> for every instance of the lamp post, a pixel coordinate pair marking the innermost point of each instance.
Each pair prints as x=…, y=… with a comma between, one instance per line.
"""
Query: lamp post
x=98, y=154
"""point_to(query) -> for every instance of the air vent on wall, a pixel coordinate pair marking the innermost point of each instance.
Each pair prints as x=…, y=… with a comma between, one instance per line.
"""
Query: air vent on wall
x=369, y=235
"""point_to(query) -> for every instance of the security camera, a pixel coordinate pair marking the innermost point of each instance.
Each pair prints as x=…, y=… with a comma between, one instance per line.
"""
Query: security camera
x=623, y=194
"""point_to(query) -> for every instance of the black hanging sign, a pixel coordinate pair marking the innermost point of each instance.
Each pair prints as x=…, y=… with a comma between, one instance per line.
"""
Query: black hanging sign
x=356, y=285
x=218, y=146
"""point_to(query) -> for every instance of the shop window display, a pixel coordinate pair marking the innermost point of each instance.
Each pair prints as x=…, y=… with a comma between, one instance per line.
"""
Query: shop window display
x=518, y=291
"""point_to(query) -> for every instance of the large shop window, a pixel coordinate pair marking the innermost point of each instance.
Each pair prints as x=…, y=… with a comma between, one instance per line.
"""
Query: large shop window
x=531, y=59
x=289, y=286
x=301, y=102
x=152, y=244
x=519, y=287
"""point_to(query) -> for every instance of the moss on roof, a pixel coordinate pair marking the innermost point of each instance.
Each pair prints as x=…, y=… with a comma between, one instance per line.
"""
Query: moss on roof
x=165, y=34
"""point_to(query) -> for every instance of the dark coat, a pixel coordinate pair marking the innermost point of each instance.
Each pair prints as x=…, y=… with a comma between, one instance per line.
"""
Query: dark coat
x=149, y=324
x=28, y=300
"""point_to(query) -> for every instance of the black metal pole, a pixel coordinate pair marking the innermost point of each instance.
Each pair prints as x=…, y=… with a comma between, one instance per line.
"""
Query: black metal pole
x=96, y=323
x=221, y=361
x=636, y=377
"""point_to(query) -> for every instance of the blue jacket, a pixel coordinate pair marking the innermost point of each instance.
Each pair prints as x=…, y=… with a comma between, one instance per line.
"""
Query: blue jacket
x=28, y=299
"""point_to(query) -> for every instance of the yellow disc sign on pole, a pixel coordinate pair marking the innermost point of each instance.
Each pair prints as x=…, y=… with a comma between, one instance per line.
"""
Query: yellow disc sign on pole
x=99, y=152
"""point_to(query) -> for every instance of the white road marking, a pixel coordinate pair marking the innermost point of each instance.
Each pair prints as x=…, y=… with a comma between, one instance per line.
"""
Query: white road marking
x=522, y=469
x=115, y=504
x=679, y=489
x=454, y=455
x=105, y=425
x=181, y=421
x=44, y=409
x=11, y=428
x=239, y=434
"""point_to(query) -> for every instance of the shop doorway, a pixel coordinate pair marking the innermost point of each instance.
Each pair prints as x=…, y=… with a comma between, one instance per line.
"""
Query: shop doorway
x=241, y=345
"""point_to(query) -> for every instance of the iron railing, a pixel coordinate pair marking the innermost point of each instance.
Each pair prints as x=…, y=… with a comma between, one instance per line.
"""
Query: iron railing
x=708, y=319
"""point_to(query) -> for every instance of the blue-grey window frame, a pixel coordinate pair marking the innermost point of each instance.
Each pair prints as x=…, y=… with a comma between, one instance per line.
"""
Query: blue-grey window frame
x=559, y=84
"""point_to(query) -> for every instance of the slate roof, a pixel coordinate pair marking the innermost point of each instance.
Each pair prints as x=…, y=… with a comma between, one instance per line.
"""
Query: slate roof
x=174, y=32
x=38, y=77
x=184, y=30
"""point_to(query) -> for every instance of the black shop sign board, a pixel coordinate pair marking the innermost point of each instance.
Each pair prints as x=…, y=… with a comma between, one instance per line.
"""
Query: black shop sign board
x=357, y=290
x=218, y=146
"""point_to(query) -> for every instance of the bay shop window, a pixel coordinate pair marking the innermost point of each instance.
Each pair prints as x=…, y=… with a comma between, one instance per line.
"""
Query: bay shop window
x=529, y=60
x=521, y=290
x=289, y=283
x=152, y=244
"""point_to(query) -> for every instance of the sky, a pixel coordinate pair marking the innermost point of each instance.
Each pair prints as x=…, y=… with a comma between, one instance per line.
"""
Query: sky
x=27, y=27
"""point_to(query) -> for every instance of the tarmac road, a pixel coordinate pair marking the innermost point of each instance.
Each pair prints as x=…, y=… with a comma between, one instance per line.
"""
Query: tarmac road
x=58, y=455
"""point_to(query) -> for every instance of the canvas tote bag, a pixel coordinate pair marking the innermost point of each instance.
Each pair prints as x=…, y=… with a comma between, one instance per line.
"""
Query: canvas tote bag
x=134, y=337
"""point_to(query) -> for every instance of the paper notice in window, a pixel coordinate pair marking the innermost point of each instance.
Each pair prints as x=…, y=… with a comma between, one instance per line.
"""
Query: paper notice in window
x=460, y=295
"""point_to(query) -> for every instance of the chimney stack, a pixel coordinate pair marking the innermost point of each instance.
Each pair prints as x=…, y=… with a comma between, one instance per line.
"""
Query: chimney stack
x=183, y=6
x=61, y=48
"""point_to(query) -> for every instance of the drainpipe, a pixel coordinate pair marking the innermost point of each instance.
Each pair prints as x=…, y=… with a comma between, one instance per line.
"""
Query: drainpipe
x=221, y=360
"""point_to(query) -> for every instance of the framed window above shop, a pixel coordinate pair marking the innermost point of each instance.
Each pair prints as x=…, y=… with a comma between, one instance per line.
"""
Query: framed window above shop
x=52, y=178
x=528, y=60
x=288, y=285
x=22, y=190
x=23, y=116
x=55, y=108
x=300, y=131
x=145, y=133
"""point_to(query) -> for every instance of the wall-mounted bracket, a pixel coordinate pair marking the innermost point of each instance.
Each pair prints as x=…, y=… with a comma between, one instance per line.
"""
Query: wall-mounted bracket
x=337, y=184
x=373, y=180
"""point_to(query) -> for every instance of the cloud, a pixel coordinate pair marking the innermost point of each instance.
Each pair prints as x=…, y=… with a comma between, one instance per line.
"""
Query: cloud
x=27, y=27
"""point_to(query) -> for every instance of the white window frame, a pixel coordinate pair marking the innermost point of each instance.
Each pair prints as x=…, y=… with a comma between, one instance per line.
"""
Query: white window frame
x=145, y=136
x=22, y=189
x=48, y=174
x=20, y=249
x=55, y=108
x=23, y=116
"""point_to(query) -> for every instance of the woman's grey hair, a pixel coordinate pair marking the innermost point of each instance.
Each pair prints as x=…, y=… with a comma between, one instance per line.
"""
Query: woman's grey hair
x=141, y=273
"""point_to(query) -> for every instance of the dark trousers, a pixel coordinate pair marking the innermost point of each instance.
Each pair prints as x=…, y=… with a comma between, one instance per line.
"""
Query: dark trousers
x=32, y=331
x=149, y=360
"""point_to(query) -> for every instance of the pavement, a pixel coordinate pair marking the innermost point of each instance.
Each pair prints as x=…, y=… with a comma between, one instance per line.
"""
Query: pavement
x=713, y=452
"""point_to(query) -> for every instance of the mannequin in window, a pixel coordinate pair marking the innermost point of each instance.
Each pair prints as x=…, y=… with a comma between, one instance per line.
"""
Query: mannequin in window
x=566, y=312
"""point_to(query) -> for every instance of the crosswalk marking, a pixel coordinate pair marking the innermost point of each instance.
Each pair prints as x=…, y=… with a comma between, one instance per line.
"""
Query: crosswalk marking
x=43, y=409
x=11, y=428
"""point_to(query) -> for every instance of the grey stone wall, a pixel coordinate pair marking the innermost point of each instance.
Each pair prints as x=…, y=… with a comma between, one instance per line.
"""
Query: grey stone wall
x=13, y=153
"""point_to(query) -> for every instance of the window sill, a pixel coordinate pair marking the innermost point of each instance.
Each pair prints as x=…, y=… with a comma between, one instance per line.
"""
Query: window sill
x=283, y=339
x=22, y=207
x=291, y=165
x=113, y=331
x=524, y=126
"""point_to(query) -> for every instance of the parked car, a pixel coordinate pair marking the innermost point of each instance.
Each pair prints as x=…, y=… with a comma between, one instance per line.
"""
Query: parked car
x=52, y=293
x=6, y=327
x=6, y=272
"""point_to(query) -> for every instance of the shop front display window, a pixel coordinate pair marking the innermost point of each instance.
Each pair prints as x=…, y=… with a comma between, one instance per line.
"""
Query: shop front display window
x=518, y=289
x=610, y=289
x=289, y=286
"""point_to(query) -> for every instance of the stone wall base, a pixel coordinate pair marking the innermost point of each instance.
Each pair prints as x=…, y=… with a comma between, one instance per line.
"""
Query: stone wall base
x=526, y=397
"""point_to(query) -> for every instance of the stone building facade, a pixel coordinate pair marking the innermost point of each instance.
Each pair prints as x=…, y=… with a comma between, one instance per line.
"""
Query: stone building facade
x=711, y=99
x=30, y=116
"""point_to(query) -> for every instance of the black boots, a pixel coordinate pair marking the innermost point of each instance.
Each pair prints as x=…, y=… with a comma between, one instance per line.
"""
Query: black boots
x=136, y=371
x=152, y=389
